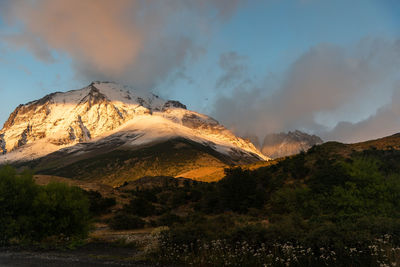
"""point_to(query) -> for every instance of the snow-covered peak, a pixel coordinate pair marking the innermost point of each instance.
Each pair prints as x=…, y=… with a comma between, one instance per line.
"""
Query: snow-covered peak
x=109, y=91
x=64, y=119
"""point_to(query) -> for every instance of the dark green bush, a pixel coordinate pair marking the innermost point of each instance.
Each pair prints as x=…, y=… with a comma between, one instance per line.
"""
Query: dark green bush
x=125, y=221
x=17, y=193
x=168, y=219
x=140, y=207
x=31, y=213
x=237, y=190
x=99, y=204
x=61, y=209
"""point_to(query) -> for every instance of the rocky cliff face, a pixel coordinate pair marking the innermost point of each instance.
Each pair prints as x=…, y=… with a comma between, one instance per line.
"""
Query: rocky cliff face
x=3, y=149
x=61, y=120
x=253, y=139
x=286, y=144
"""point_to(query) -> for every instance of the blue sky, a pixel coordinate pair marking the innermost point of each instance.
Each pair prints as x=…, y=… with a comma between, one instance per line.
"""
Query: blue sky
x=263, y=43
x=272, y=34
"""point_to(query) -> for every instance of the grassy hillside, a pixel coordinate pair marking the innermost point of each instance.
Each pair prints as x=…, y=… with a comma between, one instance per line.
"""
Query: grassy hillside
x=178, y=157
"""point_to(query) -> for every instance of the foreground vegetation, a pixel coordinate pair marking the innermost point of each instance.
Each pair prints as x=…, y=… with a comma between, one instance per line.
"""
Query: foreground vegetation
x=316, y=208
x=31, y=213
x=320, y=208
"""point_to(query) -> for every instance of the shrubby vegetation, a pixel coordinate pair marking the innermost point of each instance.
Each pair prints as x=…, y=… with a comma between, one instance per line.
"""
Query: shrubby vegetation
x=32, y=213
x=126, y=221
x=98, y=204
x=316, y=208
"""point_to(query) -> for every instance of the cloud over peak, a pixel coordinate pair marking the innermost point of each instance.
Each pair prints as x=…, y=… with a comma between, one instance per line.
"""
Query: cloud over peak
x=93, y=32
x=328, y=85
x=132, y=41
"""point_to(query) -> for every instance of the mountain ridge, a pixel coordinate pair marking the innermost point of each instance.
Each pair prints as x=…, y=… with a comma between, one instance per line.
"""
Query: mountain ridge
x=65, y=119
x=77, y=121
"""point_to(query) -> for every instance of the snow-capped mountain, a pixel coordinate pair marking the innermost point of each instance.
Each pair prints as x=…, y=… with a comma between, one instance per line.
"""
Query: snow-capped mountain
x=102, y=111
x=286, y=144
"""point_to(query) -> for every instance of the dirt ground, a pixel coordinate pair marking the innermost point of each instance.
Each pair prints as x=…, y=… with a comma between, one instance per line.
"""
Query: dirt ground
x=89, y=255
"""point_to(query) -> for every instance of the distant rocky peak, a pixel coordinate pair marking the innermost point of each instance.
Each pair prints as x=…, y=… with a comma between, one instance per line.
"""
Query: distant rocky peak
x=301, y=136
x=278, y=145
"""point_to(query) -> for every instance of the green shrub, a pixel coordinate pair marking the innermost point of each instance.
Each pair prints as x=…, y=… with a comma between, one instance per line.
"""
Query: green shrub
x=125, y=221
x=98, y=204
x=140, y=207
x=237, y=190
x=168, y=219
x=61, y=209
x=17, y=193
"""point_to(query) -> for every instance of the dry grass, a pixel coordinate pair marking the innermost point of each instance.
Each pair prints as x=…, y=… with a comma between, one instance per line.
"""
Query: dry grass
x=205, y=174
x=105, y=190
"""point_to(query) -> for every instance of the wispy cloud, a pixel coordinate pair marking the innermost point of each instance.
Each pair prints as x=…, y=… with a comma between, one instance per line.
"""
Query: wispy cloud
x=234, y=69
x=14, y=64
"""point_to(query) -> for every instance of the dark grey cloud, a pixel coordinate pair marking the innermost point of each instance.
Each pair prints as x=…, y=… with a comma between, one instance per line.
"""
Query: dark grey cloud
x=326, y=85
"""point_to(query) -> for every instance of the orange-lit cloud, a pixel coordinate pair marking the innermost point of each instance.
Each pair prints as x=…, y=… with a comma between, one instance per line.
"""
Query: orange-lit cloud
x=92, y=31
x=131, y=41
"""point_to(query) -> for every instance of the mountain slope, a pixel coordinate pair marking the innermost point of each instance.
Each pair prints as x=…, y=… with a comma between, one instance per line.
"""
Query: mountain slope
x=108, y=119
x=172, y=157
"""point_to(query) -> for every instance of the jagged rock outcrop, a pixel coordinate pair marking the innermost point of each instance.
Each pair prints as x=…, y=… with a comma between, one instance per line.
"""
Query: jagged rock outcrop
x=286, y=144
x=173, y=104
x=3, y=149
x=253, y=139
